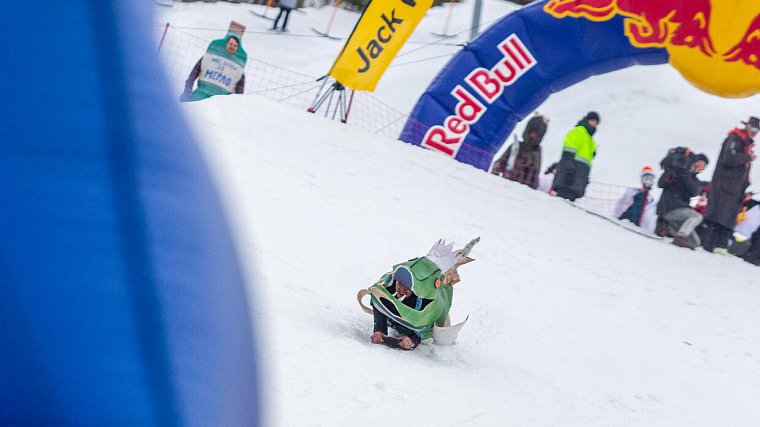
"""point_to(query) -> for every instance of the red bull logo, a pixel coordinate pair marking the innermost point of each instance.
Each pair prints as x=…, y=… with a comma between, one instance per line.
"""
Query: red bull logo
x=714, y=44
x=748, y=48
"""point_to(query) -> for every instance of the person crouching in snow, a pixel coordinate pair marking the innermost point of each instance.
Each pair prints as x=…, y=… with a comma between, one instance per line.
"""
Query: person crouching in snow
x=221, y=71
x=400, y=287
x=415, y=296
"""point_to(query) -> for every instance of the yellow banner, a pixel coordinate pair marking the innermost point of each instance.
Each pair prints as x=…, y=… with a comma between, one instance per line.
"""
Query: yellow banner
x=377, y=38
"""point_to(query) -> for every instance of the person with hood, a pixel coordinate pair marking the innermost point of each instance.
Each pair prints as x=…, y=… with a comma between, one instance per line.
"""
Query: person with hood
x=729, y=182
x=637, y=205
x=285, y=7
x=221, y=71
x=522, y=160
x=578, y=152
x=678, y=187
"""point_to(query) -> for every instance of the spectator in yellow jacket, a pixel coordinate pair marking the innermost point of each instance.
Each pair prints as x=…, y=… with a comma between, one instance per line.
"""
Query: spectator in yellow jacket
x=578, y=152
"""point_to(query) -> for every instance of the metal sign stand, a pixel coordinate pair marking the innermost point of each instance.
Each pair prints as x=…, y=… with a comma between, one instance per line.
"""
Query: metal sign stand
x=337, y=92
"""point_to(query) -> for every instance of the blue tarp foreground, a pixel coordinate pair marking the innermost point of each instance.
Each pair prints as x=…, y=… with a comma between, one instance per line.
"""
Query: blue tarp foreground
x=121, y=298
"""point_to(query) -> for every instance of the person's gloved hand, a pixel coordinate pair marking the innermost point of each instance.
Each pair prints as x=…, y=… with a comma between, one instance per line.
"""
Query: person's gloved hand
x=185, y=97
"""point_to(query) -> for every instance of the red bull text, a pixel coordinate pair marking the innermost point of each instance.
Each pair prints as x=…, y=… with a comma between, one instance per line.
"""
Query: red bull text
x=488, y=84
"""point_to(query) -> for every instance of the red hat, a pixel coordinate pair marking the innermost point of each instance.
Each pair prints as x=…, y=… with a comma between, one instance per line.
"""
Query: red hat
x=647, y=170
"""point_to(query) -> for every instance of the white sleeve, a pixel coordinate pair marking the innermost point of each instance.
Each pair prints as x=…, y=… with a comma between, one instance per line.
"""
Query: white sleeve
x=625, y=201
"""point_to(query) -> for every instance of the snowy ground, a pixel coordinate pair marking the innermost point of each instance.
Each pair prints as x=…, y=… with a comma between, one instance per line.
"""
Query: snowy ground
x=573, y=321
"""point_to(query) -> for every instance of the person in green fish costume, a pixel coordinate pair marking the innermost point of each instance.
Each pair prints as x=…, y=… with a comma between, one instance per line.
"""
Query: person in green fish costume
x=221, y=71
x=416, y=295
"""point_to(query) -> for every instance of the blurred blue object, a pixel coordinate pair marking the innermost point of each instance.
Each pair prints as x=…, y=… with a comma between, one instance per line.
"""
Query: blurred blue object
x=122, y=301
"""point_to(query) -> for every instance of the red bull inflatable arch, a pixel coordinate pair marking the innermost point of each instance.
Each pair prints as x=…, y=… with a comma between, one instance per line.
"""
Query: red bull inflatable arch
x=476, y=100
x=121, y=298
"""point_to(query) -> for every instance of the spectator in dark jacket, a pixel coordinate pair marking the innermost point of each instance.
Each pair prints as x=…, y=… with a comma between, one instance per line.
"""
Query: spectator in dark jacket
x=729, y=182
x=678, y=187
x=524, y=164
x=578, y=152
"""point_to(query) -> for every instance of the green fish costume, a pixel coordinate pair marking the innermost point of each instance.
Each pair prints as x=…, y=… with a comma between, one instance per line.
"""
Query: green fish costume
x=433, y=278
x=220, y=70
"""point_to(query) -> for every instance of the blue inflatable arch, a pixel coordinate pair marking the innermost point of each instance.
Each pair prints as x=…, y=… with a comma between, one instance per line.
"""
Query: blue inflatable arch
x=476, y=100
x=122, y=299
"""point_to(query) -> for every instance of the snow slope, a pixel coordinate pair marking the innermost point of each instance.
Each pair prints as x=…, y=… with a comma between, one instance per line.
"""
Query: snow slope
x=573, y=321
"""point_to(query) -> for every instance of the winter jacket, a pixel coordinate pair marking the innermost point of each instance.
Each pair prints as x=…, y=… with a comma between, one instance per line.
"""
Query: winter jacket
x=580, y=142
x=677, y=190
x=288, y=4
x=574, y=167
x=631, y=206
x=730, y=180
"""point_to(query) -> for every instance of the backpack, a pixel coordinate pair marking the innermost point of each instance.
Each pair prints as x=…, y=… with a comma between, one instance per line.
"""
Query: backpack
x=678, y=159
